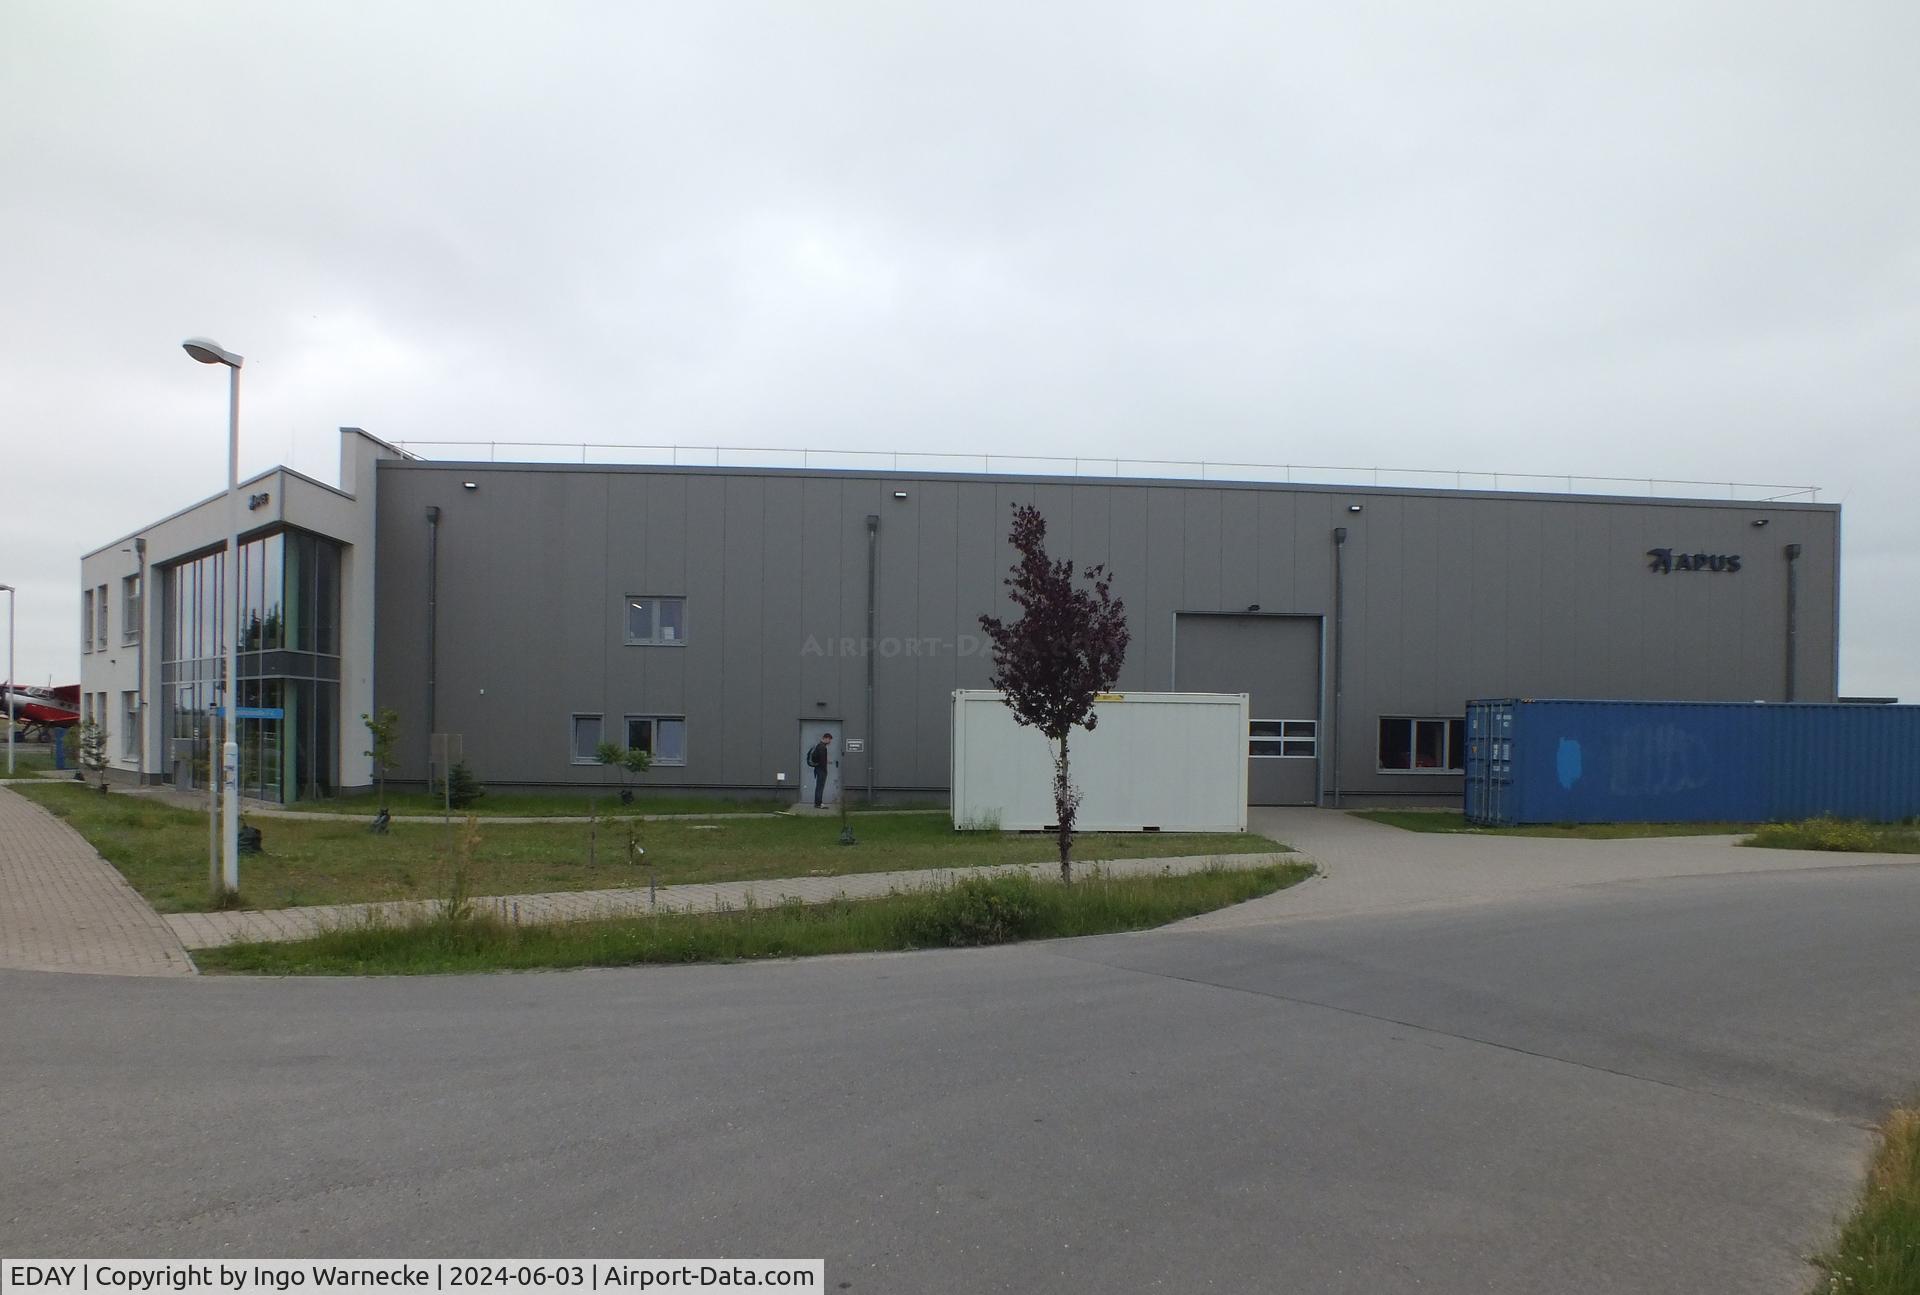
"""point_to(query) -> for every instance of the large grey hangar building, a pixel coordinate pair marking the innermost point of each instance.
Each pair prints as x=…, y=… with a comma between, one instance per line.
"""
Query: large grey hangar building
x=722, y=617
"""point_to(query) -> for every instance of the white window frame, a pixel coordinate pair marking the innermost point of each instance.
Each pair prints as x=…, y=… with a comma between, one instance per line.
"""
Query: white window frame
x=130, y=596
x=653, y=737
x=573, y=733
x=86, y=620
x=1289, y=739
x=1448, y=752
x=100, y=621
x=130, y=721
x=653, y=639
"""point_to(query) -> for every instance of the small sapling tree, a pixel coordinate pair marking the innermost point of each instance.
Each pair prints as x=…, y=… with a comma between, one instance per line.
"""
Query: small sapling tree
x=628, y=760
x=1063, y=651
x=383, y=733
x=463, y=789
x=93, y=751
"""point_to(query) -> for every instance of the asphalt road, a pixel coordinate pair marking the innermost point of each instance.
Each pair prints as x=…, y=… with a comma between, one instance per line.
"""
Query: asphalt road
x=1638, y=1086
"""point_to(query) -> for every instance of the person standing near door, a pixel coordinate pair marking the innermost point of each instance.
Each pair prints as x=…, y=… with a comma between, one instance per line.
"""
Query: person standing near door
x=820, y=759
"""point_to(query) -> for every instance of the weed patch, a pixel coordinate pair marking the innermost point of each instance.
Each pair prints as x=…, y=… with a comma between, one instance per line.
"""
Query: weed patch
x=1878, y=1252
x=1452, y=820
x=1839, y=834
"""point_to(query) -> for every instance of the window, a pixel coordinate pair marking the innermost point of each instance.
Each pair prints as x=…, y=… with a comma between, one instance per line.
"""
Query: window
x=1411, y=745
x=661, y=621
x=586, y=738
x=1274, y=739
x=664, y=737
x=100, y=618
x=130, y=609
x=86, y=620
x=130, y=724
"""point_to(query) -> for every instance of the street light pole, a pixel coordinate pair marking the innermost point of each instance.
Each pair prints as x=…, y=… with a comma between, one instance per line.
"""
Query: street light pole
x=10, y=591
x=208, y=352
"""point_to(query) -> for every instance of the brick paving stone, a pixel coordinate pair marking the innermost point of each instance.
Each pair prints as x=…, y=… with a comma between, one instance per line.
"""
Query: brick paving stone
x=64, y=908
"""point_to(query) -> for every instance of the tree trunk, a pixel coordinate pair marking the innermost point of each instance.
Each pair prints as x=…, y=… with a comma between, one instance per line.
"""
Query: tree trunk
x=1063, y=808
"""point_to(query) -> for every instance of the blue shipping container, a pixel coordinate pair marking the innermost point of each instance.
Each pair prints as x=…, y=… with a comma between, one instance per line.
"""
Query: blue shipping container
x=1689, y=762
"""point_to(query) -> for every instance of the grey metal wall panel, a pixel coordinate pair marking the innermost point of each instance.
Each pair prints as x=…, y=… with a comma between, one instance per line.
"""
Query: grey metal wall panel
x=1448, y=596
x=822, y=625
x=898, y=666
x=851, y=666
x=1165, y=592
x=1128, y=546
x=1241, y=561
x=1200, y=544
x=979, y=543
x=783, y=666
x=940, y=626
x=742, y=643
x=702, y=545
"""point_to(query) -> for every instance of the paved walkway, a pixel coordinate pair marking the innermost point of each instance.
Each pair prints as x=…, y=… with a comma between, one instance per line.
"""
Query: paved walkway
x=265, y=809
x=1368, y=867
x=209, y=930
x=64, y=908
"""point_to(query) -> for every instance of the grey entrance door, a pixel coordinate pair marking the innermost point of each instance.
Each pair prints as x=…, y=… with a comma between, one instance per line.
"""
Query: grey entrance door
x=810, y=732
x=1275, y=660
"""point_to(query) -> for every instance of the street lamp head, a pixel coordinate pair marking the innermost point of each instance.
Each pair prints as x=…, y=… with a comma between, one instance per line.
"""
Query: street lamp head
x=208, y=351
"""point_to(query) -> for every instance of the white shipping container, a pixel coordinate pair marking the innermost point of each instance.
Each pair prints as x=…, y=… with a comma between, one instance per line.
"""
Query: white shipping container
x=1175, y=761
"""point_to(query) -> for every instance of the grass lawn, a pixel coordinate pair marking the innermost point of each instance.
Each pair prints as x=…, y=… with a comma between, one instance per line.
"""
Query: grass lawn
x=1878, y=1252
x=977, y=911
x=162, y=851
x=1451, y=820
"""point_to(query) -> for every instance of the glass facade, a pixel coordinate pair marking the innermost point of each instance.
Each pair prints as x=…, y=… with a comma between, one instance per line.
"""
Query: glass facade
x=289, y=660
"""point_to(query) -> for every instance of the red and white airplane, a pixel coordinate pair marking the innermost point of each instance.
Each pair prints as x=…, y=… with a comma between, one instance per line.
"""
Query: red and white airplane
x=42, y=710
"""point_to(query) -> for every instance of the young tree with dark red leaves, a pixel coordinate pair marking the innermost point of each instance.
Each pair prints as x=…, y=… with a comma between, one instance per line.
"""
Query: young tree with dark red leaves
x=1065, y=649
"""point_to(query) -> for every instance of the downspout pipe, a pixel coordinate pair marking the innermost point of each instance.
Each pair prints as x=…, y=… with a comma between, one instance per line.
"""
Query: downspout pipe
x=1792, y=552
x=873, y=646
x=1339, y=649
x=140, y=667
x=433, y=609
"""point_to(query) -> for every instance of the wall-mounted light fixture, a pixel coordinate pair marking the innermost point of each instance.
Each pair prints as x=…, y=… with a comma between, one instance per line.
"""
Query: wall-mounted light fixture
x=899, y=494
x=469, y=485
x=1253, y=607
x=1353, y=508
x=1761, y=521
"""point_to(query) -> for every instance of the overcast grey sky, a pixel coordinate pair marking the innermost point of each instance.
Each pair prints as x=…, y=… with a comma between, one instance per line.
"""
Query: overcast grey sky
x=1639, y=239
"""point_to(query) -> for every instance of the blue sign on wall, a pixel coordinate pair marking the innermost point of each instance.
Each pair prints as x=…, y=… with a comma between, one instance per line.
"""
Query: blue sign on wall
x=254, y=712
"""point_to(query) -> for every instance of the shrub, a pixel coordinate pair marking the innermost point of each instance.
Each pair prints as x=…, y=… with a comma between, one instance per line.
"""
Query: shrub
x=1818, y=834
x=463, y=789
x=978, y=910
